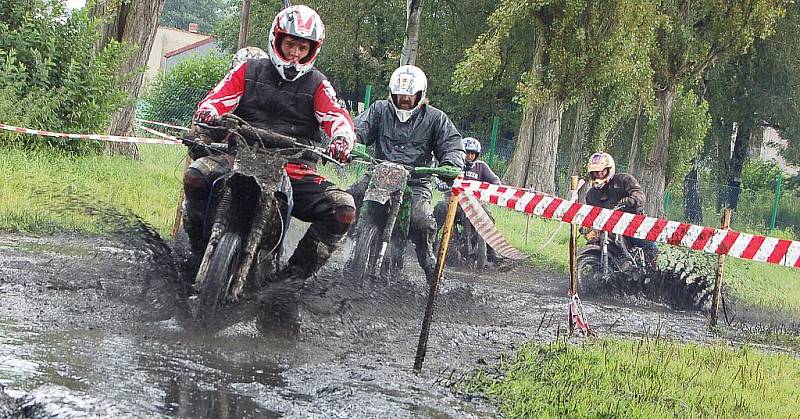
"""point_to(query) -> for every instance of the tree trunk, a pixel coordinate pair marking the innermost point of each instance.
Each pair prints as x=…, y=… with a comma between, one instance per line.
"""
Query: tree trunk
x=692, y=202
x=534, y=162
x=411, y=40
x=654, y=171
x=244, y=24
x=133, y=22
x=738, y=157
x=576, y=156
x=633, y=153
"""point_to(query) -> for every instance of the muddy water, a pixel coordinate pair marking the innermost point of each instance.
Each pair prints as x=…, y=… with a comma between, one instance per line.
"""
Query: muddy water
x=93, y=327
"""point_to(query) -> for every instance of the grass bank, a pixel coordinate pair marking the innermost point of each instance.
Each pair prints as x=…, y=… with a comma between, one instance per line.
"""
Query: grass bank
x=37, y=185
x=641, y=379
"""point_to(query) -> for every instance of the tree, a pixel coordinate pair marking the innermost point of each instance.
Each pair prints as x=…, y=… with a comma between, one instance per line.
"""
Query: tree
x=130, y=22
x=411, y=39
x=576, y=47
x=691, y=37
x=180, y=13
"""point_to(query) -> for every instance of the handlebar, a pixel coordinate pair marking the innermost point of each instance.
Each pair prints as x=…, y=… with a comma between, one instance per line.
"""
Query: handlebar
x=360, y=152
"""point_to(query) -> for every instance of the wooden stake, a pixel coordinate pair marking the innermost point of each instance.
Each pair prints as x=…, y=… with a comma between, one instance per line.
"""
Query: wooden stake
x=726, y=223
x=179, y=211
x=573, y=246
x=422, y=346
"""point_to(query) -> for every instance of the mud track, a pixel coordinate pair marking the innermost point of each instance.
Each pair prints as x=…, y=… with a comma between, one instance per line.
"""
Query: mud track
x=95, y=327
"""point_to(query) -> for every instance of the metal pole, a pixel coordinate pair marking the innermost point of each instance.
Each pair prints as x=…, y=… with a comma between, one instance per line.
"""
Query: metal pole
x=447, y=230
x=573, y=245
x=493, y=141
x=726, y=222
x=243, y=25
x=778, y=188
x=367, y=96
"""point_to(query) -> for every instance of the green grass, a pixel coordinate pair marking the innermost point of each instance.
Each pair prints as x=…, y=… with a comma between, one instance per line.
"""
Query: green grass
x=37, y=185
x=642, y=379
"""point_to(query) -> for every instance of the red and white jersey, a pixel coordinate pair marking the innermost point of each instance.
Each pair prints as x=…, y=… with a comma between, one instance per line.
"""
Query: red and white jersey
x=333, y=119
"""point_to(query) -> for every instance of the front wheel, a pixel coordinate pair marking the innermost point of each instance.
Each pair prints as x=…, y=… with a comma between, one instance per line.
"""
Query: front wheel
x=365, y=250
x=222, y=267
x=590, y=274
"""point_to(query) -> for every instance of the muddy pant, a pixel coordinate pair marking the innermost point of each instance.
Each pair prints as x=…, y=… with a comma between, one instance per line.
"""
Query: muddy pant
x=329, y=209
x=440, y=212
x=422, y=231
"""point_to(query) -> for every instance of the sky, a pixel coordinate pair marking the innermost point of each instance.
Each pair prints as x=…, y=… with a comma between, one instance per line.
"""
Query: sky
x=74, y=4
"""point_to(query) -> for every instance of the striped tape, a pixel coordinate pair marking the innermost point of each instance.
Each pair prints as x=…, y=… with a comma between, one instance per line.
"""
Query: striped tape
x=97, y=137
x=486, y=228
x=699, y=238
x=161, y=124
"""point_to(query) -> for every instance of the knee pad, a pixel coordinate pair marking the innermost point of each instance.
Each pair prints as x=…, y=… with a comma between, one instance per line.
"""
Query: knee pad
x=344, y=216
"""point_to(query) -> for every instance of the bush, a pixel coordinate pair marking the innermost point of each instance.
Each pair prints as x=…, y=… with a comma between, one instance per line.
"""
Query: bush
x=173, y=96
x=51, y=77
x=760, y=174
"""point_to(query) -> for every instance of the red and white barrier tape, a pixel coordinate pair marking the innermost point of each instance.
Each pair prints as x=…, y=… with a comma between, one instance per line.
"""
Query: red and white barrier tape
x=111, y=138
x=486, y=228
x=161, y=124
x=159, y=134
x=706, y=239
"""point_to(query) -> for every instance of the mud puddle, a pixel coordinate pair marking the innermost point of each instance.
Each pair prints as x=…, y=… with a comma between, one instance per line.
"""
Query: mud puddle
x=94, y=327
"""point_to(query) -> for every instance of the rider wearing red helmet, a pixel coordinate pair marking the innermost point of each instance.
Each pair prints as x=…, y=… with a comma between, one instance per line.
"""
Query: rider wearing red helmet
x=286, y=94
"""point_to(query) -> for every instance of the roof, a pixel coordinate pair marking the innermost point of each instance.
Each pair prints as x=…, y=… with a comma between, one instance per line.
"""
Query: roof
x=189, y=47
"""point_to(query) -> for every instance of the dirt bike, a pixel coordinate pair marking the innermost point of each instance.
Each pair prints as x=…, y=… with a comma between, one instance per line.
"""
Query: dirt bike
x=385, y=216
x=607, y=257
x=252, y=214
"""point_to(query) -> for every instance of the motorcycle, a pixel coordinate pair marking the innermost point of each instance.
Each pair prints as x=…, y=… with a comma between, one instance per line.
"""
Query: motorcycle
x=607, y=258
x=385, y=216
x=251, y=216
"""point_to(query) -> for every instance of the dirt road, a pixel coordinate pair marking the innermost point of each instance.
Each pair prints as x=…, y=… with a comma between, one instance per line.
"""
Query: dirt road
x=94, y=327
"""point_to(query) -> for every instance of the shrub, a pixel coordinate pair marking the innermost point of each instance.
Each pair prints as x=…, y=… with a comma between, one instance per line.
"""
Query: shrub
x=760, y=174
x=50, y=75
x=173, y=96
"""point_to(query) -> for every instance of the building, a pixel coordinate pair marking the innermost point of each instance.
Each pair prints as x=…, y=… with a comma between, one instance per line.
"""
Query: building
x=172, y=46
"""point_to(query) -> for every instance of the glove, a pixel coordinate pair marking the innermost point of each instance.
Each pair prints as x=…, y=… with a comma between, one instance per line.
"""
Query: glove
x=339, y=148
x=443, y=187
x=195, y=145
x=206, y=117
x=626, y=202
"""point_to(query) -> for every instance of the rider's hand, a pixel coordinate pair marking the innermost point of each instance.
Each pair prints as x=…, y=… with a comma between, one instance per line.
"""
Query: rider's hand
x=340, y=148
x=446, y=178
x=443, y=187
x=626, y=202
x=206, y=117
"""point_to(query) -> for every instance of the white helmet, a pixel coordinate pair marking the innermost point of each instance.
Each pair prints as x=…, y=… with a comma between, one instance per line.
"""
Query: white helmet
x=301, y=22
x=247, y=53
x=407, y=80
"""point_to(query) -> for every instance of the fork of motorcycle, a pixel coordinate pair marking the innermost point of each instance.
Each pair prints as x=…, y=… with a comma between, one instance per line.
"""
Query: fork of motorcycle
x=386, y=236
x=217, y=230
x=250, y=249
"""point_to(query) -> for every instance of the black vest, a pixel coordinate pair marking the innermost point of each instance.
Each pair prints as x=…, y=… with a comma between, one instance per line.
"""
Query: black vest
x=271, y=102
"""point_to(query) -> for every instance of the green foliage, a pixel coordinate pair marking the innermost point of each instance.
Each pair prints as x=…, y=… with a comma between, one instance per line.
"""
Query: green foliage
x=180, y=13
x=50, y=76
x=642, y=379
x=173, y=96
x=760, y=174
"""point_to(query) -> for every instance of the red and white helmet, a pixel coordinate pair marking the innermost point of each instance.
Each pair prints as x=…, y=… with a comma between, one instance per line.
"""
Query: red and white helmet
x=301, y=22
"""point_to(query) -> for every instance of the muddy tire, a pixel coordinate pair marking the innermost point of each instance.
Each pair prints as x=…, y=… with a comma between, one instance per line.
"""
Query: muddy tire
x=590, y=276
x=222, y=266
x=364, y=251
x=480, y=252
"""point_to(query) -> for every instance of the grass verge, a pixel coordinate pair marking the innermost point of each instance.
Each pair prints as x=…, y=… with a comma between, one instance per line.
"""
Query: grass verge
x=642, y=379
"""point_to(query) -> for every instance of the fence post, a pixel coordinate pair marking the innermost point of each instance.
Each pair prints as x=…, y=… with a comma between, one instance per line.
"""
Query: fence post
x=726, y=222
x=493, y=141
x=778, y=188
x=573, y=246
x=367, y=96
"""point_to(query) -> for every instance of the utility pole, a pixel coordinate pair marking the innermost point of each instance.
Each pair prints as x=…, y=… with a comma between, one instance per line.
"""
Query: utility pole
x=243, y=26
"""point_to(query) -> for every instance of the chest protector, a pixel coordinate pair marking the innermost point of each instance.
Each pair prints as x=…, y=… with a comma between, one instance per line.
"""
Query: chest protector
x=271, y=102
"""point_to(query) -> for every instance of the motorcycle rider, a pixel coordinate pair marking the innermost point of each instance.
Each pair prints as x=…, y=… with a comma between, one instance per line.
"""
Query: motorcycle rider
x=406, y=129
x=474, y=169
x=286, y=94
x=610, y=190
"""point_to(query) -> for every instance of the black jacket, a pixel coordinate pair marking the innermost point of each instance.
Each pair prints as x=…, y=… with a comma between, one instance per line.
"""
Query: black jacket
x=620, y=186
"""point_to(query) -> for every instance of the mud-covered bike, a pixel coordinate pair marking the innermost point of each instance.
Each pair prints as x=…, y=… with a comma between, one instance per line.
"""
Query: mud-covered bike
x=251, y=216
x=385, y=216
